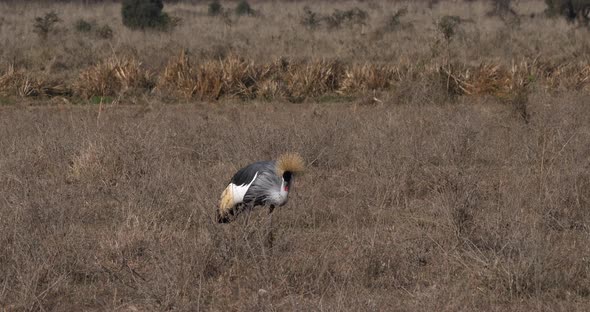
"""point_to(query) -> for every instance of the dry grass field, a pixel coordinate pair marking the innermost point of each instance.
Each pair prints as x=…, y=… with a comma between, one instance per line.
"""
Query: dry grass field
x=443, y=175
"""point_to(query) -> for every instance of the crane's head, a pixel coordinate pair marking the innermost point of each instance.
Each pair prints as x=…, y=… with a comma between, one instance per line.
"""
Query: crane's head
x=287, y=166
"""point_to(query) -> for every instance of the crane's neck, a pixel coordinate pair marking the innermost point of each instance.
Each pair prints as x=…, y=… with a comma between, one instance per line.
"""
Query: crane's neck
x=283, y=193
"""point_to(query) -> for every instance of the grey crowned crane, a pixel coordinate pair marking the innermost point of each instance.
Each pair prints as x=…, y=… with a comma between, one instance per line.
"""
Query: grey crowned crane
x=263, y=183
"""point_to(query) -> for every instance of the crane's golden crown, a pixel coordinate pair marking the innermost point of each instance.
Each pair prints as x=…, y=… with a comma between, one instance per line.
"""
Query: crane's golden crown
x=291, y=162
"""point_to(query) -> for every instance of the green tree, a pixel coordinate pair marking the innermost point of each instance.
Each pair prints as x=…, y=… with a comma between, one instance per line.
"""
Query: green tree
x=142, y=14
x=244, y=8
x=215, y=8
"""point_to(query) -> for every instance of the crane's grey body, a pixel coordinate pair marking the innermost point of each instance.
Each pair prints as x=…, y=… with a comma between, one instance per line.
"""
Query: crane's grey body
x=254, y=185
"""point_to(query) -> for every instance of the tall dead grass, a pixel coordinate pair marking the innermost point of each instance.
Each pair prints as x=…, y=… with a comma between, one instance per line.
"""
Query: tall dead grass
x=235, y=77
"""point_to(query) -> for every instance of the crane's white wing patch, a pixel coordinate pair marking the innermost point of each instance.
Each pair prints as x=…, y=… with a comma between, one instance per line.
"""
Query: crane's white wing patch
x=239, y=191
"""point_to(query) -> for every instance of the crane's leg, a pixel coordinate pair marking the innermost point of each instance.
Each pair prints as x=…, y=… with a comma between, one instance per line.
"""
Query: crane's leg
x=245, y=208
x=270, y=236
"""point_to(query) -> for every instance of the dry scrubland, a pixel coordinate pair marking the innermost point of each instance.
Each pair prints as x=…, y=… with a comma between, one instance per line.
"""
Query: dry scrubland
x=451, y=176
x=272, y=56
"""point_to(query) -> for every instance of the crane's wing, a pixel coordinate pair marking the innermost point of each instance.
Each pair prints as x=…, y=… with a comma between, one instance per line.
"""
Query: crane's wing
x=266, y=188
x=246, y=174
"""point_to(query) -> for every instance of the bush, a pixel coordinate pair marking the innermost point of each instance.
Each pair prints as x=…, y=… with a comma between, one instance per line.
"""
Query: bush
x=337, y=19
x=553, y=8
x=82, y=25
x=104, y=32
x=244, y=8
x=570, y=9
x=142, y=14
x=310, y=18
x=447, y=26
x=46, y=24
x=351, y=17
x=169, y=22
x=393, y=21
x=559, y=7
x=215, y=8
x=502, y=8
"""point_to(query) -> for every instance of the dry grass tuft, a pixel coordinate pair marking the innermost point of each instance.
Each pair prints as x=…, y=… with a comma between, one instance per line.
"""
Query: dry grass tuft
x=14, y=82
x=568, y=76
x=487, y=79
x=208, y=81
x=313, y=78
x=178, y=76
x=368, y=77
x=114, y=76
x=24, y=84
x=231, y=76
x=239, y=77
x=272, y=79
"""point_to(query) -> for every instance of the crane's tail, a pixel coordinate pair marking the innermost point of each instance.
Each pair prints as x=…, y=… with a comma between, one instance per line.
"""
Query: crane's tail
x=290, y=162
x=223, y=218
x=228, y=208
x=225, y=211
